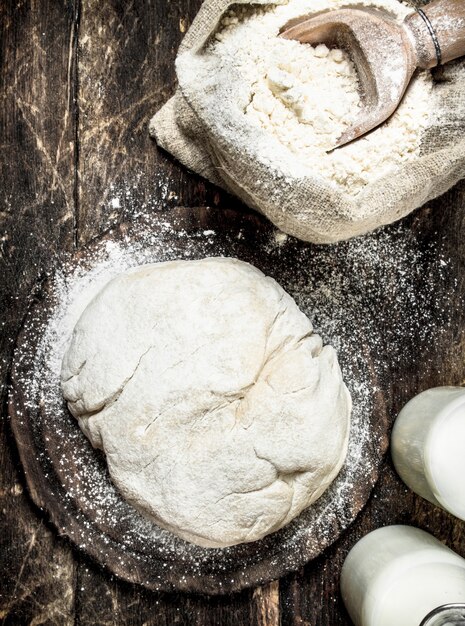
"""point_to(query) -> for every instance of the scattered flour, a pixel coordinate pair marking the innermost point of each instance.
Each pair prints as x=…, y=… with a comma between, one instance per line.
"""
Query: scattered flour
x=364, y=298
x=307, y=96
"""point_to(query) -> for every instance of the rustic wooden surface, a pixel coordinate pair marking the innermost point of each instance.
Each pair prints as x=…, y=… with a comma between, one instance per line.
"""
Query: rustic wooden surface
x=79, y=80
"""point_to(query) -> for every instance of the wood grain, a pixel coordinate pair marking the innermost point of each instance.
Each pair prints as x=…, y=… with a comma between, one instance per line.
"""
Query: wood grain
x=126, y=70
x=447, y=21
x=44, y=137
x=37, y=131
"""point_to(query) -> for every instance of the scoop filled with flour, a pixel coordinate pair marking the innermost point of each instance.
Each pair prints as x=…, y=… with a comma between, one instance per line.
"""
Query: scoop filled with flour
x=306, y=96
x=220, y=413
x=256, y=114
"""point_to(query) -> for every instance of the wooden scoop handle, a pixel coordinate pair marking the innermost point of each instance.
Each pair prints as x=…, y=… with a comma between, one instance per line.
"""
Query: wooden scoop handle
x=438, y=32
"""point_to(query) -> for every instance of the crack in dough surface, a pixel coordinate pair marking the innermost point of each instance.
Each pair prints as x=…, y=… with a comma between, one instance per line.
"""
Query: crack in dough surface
x=221, y=414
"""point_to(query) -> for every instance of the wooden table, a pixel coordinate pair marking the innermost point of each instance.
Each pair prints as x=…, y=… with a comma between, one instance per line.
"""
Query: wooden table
x=79, y=82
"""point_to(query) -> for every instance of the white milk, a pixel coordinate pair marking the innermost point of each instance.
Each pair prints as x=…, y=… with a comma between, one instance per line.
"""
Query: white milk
x=445, y=459
x=396, y=575
x=428, y=447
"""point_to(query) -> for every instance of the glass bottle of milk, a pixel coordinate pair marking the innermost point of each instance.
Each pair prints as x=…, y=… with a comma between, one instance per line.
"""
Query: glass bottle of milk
x=398, y=575
x=427, y=445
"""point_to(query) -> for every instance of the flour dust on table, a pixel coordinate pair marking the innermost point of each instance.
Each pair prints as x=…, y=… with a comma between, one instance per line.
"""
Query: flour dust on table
x=349, y=292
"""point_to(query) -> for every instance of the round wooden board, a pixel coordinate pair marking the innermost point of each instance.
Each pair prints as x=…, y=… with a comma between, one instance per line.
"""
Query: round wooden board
x=68, y=478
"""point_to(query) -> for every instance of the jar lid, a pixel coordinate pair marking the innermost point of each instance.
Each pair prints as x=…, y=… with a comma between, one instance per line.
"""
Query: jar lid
x=446, y=615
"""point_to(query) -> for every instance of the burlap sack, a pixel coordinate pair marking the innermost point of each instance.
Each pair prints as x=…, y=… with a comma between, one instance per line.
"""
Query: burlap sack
x=192, y=127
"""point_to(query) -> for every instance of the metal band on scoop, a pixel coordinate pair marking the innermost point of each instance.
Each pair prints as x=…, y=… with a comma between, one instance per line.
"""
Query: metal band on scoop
x=432, y=32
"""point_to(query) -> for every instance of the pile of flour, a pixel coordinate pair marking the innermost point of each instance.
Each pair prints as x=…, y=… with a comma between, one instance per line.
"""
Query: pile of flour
x=307, y=96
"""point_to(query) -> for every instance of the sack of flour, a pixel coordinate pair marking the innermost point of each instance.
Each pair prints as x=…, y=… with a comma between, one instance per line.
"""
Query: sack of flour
x=256, y=114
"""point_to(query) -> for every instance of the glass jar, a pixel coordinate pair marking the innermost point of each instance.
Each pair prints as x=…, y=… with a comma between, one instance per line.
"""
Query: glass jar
x=397, y=575
x=427, y=446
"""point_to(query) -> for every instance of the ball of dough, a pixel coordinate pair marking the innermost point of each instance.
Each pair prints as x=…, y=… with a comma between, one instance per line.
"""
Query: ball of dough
x=220, y=413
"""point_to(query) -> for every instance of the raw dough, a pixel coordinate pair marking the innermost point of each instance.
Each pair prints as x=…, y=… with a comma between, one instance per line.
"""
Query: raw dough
x=220, y=413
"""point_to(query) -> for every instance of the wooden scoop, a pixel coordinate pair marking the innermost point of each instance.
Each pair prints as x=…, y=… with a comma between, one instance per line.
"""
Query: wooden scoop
x=385, y=52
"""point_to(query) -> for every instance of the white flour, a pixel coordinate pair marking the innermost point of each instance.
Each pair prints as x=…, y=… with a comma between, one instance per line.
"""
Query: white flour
x=307, y=96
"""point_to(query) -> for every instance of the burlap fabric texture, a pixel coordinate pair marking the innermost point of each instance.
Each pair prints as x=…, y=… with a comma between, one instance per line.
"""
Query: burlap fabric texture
x=217, y=142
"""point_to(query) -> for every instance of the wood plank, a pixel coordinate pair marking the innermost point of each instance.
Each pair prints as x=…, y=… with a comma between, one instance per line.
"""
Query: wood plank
x=312, y=598
x=36, y=219
x=106, y=601
x=37, y=568
x=126, y=72
x=265, y=605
